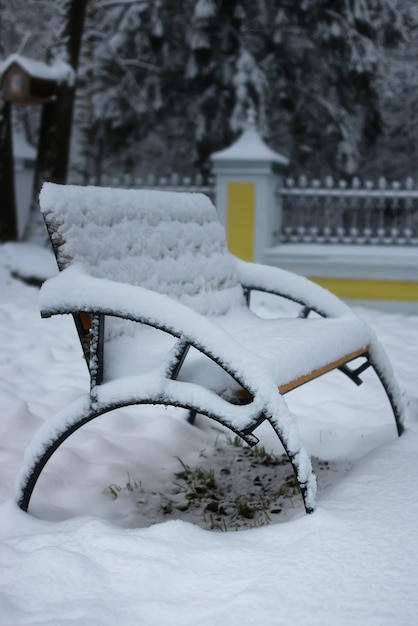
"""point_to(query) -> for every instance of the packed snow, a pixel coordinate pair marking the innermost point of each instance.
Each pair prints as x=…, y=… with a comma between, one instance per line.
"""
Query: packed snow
x=84, y=557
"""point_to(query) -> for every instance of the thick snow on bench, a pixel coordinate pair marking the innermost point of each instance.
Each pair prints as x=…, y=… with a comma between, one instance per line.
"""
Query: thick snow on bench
x=171, y=243
x=285, y=348
x=176, y=248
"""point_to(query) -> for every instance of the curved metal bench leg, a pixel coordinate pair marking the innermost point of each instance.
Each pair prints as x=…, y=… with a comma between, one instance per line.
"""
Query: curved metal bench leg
x=302, y=468
x=392, y=395
x=29, y=476
x=48, y=439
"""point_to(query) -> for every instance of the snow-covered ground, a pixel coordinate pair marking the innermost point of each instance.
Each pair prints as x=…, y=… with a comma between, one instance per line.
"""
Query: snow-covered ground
x=84, y=557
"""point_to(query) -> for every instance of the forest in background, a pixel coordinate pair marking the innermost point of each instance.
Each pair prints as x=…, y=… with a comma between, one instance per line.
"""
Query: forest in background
x=163, y=84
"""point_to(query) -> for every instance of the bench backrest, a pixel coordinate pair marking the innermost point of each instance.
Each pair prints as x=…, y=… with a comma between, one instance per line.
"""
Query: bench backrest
x=169, y=242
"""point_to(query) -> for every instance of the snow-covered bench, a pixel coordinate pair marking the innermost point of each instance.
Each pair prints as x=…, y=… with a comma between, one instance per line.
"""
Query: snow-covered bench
x=161, y=309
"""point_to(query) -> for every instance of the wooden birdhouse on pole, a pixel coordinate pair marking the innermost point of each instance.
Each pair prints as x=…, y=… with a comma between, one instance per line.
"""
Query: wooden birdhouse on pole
x=31, y=82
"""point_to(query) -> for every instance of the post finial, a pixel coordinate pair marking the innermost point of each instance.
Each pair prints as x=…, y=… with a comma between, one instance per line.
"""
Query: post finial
x=250, y=122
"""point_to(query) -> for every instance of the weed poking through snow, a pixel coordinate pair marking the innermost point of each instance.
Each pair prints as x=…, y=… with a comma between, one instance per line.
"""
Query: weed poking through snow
x=234, y=487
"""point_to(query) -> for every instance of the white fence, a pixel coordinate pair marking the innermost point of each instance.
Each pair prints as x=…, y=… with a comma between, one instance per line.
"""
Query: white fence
x=174, y=182
x=360, y=213
x=331, y=212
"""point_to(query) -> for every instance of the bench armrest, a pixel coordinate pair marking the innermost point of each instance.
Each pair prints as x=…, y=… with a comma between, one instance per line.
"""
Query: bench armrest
x=74, y=291
x=254, y=276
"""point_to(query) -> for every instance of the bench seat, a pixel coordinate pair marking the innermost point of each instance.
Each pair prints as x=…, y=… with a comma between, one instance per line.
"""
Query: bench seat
x=275, y=343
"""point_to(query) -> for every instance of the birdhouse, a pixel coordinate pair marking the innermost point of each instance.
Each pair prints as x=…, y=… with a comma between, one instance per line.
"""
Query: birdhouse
x=27, y=81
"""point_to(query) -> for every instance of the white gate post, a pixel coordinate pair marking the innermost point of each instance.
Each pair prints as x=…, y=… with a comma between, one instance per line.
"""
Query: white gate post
x=24, y=170
x=248, y=175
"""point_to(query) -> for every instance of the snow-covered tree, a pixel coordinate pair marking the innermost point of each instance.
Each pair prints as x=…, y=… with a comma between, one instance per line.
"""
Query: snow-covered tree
x=310, y=69
x=24, y=27
x=399, y=88
x=224, y=75
x=177, y=77
x=120, y=94
x=327, y=58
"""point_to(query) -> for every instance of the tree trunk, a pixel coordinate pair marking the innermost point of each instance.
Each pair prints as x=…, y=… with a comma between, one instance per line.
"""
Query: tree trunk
x=57, y=115
x=8, y=217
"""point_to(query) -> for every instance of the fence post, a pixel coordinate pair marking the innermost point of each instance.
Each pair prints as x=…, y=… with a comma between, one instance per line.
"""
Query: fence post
x=24, y=170
x=247, y=178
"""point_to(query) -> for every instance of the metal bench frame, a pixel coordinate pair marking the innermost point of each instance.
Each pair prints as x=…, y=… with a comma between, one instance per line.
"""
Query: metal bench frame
x=90, y=321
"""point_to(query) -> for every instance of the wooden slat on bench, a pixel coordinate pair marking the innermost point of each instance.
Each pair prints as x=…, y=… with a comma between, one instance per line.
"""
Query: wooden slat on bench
x=297, y=382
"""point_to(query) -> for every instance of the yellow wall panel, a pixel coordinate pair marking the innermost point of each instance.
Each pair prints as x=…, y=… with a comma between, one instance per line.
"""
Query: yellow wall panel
x=240, y=219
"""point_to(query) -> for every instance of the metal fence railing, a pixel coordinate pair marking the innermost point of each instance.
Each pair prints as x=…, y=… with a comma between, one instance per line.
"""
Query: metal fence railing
x=174, y=182
x=318, y=212
x=360, y=213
